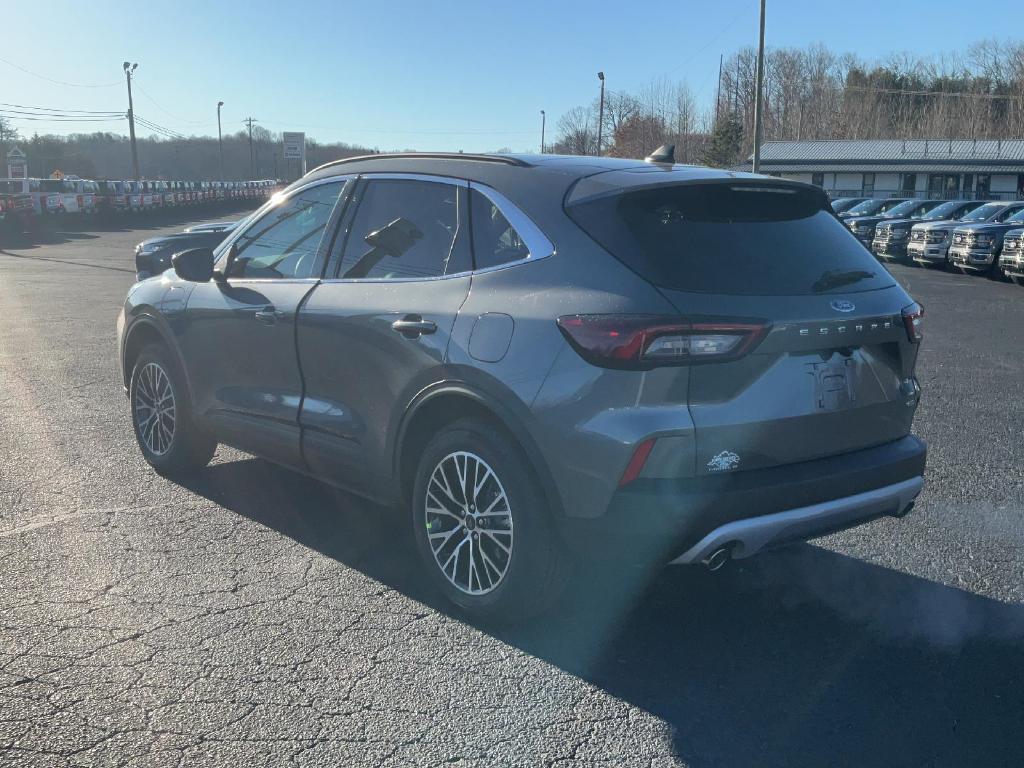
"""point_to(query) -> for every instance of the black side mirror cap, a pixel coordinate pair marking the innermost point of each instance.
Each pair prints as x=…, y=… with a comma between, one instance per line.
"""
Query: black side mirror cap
x=194, y=265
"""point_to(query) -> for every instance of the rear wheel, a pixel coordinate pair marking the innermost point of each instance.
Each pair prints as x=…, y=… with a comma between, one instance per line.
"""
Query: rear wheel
x=162, y=415
x=482, y=526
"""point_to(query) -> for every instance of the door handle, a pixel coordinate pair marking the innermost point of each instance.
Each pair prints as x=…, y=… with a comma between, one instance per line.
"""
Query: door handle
x=413, y=326
x=268, y=315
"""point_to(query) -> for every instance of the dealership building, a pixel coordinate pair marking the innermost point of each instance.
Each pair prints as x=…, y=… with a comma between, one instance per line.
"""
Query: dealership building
x=987, y=169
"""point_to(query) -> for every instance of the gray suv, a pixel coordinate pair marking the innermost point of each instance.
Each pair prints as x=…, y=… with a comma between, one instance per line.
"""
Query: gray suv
x=535, y=356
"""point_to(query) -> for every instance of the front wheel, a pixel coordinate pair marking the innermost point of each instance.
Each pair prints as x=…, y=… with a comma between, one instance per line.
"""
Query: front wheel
x=482, y=525
x=162, y=415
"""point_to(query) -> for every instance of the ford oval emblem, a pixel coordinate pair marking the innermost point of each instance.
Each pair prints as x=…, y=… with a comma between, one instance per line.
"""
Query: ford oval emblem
x=843, y=305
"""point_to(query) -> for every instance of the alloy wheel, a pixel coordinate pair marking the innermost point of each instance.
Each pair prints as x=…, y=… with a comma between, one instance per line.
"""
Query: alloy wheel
x=155, y=412
x=469, y=523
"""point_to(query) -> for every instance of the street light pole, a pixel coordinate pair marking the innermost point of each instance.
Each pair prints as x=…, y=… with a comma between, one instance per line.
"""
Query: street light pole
x=600, y=114
x=128, y=70
x=543, y=120
x=220, y=140
x=758, y=97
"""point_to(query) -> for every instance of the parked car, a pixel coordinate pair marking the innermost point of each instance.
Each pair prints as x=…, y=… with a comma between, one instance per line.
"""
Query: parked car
x=892, y=236
x=863, y=227
x=872, y=206
x=15, y=207
x=112, y=197
x=630, y=371
x=44, y=193
x=976, y=247
x=841, y=204
x=930, y=240
x=1011, y=260
x=153, y=256
x=213, y=226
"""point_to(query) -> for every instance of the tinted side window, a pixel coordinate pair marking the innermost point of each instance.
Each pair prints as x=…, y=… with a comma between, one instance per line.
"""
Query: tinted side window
x=403, y=229
x=495, y=241
x=1013, y=210
x=283, y=243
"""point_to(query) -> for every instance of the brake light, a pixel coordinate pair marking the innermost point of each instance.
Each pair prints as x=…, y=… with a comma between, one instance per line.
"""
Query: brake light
x=648, y=341
x=913, y=317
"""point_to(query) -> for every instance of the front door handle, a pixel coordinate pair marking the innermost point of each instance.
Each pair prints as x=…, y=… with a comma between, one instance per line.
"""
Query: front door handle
x=413, y=326
x=268, y=315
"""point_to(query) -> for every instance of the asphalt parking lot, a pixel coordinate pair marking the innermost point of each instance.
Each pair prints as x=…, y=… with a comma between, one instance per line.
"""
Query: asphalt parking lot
x=257, y=618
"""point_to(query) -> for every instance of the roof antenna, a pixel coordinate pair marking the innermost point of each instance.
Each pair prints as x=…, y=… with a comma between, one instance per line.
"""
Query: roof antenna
x=666, y=153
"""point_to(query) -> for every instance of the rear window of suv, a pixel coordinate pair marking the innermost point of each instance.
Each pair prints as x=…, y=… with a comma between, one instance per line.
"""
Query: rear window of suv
x=734, y=238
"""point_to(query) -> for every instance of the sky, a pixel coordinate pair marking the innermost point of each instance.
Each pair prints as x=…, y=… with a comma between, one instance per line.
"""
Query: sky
x=398, y=74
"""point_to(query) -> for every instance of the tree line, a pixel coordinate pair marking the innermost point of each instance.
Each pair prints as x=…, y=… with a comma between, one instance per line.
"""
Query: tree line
x=812, y=93
x=105, y=155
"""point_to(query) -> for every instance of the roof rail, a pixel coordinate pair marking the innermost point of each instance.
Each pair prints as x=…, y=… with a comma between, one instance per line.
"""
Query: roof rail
x=504, y=159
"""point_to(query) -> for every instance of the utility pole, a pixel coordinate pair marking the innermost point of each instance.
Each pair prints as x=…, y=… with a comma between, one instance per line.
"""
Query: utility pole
x=220, y=140
x=600, y=113
x=718, y=94
x=758, y=99
x=249, y=121
x=128, y=70
x=543, y=120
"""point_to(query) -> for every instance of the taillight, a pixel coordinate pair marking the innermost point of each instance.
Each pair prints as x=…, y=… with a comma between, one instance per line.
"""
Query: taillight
x=648, y=341
x=913, y=317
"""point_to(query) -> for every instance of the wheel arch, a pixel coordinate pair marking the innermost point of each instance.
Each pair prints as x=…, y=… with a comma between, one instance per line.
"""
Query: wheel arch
x=442, y=404
x=146, y=330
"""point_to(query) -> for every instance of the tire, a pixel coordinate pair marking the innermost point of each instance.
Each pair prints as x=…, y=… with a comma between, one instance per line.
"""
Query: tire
x=169, y=441
x=519, y=561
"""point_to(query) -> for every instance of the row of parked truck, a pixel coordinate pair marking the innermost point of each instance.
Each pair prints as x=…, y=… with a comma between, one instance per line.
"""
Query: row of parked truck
x=22, y=200
x=971, y=236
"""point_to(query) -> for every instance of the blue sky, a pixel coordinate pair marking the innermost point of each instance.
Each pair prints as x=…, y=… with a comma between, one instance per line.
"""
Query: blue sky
x=392, y=74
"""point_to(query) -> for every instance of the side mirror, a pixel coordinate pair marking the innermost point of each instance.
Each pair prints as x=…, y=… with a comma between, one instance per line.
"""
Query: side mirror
x=194, y=265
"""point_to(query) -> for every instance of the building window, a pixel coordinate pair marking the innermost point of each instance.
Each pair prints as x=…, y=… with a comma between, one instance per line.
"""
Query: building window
x=867, y=184
x=982, y=186
x=945, y=186
x=909, y=183
x=818, y=179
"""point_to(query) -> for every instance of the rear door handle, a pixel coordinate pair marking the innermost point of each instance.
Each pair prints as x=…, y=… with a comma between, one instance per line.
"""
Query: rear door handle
x=412, y=326
x=268, y=315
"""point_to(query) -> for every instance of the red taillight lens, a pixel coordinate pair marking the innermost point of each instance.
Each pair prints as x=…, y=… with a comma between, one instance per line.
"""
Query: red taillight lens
x=649, y=341
x=913, y=319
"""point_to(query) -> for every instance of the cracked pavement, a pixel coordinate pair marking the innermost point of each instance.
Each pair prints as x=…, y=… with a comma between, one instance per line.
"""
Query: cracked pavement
x=251, y=616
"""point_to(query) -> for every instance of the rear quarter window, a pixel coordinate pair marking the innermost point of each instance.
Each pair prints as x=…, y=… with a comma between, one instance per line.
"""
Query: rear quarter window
x=730, y=238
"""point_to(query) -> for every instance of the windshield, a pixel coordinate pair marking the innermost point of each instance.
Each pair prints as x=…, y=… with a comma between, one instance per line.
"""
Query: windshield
x=910, y=209
x=984, y=212
x=943, y=211
x=867, y=208
x=726, y=238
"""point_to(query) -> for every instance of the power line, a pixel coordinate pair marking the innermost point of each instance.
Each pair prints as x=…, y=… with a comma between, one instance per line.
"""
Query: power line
x=59, y=82
x=68, y=119
x=61, y=110
x=169, y=114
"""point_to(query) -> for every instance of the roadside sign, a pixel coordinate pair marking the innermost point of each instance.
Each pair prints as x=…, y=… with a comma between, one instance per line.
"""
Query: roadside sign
x=58, y=175
x=295, y=147
x=17, y=164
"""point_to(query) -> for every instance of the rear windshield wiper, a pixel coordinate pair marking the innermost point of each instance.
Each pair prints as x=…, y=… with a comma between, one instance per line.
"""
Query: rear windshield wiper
x=834, y=278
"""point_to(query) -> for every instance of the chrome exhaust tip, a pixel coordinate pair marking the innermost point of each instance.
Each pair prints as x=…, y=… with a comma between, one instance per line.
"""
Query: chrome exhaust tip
x=717, y=559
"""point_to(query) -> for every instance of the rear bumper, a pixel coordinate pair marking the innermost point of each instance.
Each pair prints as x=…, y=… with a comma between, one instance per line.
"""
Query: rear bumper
x=744, y=538
x=663, y=518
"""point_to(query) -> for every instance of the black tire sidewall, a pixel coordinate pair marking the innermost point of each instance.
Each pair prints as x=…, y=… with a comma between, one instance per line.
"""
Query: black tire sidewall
x=535, y=547
x=189, y=449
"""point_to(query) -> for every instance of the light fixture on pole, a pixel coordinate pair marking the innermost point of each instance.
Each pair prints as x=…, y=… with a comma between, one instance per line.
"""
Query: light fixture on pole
x=600, y=113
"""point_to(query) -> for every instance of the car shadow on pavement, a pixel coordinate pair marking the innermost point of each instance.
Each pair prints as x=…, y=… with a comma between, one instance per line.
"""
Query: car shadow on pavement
x=798, y=657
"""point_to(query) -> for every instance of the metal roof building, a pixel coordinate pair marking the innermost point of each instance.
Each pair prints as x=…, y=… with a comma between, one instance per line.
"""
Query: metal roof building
x=939, y=168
